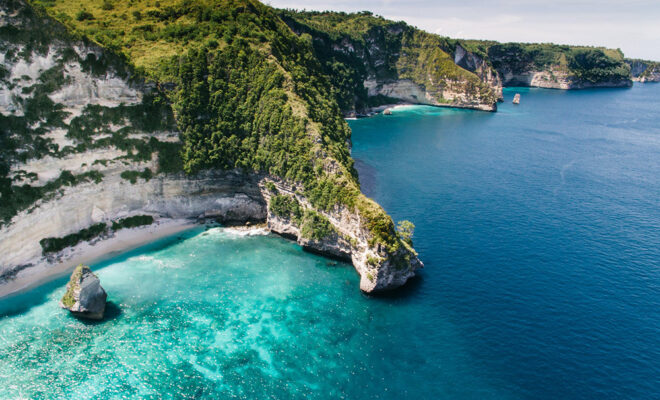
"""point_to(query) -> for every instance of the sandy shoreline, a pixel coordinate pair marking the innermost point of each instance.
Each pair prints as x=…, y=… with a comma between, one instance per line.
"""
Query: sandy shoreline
x=86, y=253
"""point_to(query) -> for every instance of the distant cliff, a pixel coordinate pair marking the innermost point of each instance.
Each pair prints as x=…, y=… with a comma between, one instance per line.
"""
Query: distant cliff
x=552, y=66
x=644, y=71
x=372, y=61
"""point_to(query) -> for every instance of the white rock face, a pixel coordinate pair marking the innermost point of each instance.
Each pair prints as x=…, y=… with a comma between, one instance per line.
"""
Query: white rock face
x=404, y=89
x=224, y=195
x=84, y=89
x=22, y=74
x=49, y=168
x=408, y=91
x=553, y=78
x=476, y=64
x=350, y=241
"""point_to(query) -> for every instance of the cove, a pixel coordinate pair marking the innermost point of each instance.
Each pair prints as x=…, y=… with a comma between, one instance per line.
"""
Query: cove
x=540, y=231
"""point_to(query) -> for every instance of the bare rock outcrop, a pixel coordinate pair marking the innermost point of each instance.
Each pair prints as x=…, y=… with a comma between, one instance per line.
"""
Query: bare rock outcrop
x=347, y=238
x=84, y=297
x=477, y=65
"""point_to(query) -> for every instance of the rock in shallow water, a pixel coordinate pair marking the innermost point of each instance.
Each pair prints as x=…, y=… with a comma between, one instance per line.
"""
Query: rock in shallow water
x=84, y=296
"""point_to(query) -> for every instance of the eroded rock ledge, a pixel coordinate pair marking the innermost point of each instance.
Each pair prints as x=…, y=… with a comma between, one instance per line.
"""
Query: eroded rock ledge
x=226, y=196
x=348, y=239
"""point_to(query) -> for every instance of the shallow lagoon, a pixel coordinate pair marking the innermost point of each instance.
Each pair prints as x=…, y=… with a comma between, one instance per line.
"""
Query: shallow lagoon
x=540, y=229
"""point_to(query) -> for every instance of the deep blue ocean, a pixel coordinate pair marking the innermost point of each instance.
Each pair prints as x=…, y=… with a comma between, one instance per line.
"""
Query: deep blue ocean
x=540, y=229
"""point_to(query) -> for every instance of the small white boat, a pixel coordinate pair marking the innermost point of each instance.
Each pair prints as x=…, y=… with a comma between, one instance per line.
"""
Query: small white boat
x=516, y=98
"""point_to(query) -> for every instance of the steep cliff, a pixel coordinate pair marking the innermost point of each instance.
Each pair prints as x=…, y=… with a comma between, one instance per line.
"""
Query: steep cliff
x=96, y=132
x=479, y=66
x=549, y=65
x=372, y=61
x=644, y=71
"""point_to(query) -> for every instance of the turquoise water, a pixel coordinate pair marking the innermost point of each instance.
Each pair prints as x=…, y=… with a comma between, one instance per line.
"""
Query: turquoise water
x=540, y=229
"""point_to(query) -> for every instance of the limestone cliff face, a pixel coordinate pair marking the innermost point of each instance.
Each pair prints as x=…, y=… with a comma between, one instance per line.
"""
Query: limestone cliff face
x=410, y=92
x=551, y=78
x=227, y=196
x=480, y=67
x=349, y=240
x=644, y=71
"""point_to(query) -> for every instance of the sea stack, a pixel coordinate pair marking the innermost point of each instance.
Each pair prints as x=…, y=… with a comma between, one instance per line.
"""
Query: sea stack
x=84, y=297
x=516, y=98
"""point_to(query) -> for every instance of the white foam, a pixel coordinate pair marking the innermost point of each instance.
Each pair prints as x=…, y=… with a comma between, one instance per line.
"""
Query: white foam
x=241, y=232
x=234, y=233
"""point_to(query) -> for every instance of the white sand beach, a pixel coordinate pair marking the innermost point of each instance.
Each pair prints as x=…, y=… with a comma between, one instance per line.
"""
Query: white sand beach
x=86, y=253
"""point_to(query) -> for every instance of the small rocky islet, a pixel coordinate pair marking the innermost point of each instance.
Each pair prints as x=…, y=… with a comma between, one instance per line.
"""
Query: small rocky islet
x=85, y=297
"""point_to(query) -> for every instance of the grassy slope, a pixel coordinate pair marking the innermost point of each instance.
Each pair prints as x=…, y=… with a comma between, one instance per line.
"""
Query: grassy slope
x=248, y=94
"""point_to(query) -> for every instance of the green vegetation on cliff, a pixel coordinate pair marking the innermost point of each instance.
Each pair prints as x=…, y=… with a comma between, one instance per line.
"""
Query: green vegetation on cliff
x=286, y=206
x=315, y=226
x=247, y=92
x=591, y=64
x=24, y=135
x=68, y=300
x=359, y=46
x=53, y=245
x=132, y=222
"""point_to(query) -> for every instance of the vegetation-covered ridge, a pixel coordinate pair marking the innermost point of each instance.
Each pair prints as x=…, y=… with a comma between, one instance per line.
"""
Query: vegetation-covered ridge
x=247, y=94
x=356, y=49
x=591, y=65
